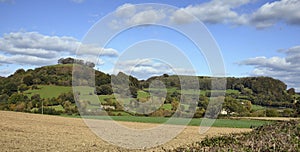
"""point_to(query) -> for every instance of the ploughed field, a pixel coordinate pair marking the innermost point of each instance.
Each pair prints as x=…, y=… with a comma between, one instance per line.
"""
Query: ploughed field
x=34, y=132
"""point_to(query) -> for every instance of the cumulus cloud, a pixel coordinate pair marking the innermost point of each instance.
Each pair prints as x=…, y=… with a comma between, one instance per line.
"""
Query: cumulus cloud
x=212, y=12
x=35, y=44
x=125, y=10
x=270, y=13
x=286, y=69
x=216, y=11
x=147, y=17
x=130, y=15
x=90, y=49
x=33, y=48
x=145, y=68
x=219, y=11
x=26, y=60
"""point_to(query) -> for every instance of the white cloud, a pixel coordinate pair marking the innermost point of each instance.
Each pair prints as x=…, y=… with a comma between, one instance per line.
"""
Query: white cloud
x=125, y=10
x=145, y=68
x=5, y=71
x=26, y=60
x=181, y=17
x=147, y=17
x=89, y=49
x=270, y=13
x=213, y=12
x=286, y=69
x=130, y=15
x=216, y=11
x=33, y=48
x=33, y=43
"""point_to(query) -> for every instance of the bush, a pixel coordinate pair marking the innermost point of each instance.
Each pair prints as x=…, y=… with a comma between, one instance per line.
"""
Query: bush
x=49, y=111
x=272, y=113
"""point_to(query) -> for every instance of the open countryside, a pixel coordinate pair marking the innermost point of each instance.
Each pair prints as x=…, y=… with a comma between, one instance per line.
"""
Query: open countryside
x=150, y=76
x=243, y=111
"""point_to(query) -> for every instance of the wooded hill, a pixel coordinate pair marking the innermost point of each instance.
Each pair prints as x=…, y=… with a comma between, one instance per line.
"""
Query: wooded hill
x=19, y=91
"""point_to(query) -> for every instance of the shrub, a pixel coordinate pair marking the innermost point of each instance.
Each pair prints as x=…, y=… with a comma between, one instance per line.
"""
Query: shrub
x=272, y=113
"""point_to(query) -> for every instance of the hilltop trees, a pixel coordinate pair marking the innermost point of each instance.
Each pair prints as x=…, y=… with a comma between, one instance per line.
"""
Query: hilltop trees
x=70, y=60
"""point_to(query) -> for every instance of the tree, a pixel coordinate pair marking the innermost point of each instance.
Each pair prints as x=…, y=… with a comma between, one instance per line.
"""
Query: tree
x=133, y=91
x=66, y=60
x=23, y=87
x=19, y=71
x=297, y=107
x=17, y=97
x=174, y=105
x=90, y=64
x=199, y=113
x=4, y=98
x=28, y=79
x=291, y=91
x=66, y=97
x=10, y=88
x=165, y=75
x=271, y=113
x=20, y=106
x=203, y=102
x=60, y=61
x=214, y=107
x=104, y=90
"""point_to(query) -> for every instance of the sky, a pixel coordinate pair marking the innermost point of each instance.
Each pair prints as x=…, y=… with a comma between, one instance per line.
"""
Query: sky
x=151, y=37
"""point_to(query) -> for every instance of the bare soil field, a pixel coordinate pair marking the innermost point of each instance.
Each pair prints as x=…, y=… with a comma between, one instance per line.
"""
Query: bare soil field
x=33, y=132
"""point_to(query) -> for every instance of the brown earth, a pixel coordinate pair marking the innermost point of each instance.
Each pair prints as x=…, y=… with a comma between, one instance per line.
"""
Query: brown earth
x=34, y=132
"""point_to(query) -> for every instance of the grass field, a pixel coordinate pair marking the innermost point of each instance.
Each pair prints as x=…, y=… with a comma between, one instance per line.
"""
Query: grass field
x=230, y=123
x=57, y=108
x=48, y=91
x=167, y=106
x=257, y=107
x=142, y=94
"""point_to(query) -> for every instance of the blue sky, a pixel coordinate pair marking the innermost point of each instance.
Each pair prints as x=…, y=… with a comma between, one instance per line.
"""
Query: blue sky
x=255, y=37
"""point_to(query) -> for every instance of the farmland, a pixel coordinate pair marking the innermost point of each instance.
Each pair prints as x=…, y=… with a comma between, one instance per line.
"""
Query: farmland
x=34, y=132
x=48, y=91
x=230, y=123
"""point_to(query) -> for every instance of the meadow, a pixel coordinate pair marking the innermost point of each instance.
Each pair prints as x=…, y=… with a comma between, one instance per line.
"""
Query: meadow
x=230, y=123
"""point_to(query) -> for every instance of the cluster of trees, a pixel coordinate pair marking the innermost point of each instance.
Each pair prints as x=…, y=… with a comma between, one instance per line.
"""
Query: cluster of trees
x=70, y=60
x=35, y=104
x=263, y=91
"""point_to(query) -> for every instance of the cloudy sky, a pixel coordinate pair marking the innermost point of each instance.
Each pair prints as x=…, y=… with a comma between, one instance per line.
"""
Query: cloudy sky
x=255, y=37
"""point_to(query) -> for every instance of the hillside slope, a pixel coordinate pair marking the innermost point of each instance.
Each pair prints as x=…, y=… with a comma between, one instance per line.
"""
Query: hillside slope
x=25, y=91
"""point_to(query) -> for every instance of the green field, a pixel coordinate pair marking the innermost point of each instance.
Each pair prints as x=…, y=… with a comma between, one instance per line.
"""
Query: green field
x=167, y=106
x=142, y=94
x=49, y=91
x=230, y=123
x=57, y=108
x=257, y=107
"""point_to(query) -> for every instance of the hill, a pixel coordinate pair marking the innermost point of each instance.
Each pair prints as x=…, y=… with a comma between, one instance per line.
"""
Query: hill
x=50, y=87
